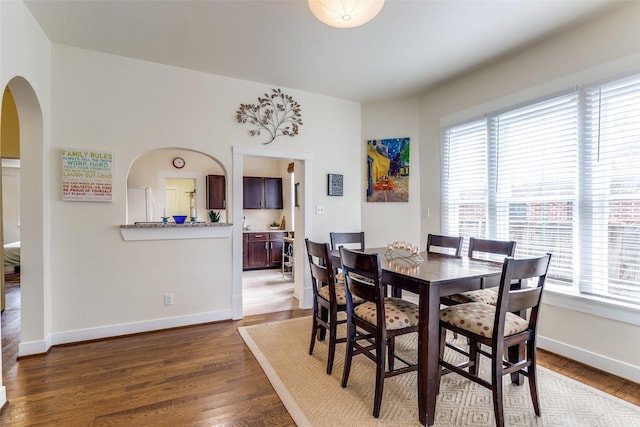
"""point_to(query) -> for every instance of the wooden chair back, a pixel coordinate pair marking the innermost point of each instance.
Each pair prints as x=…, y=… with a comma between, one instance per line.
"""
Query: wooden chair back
x=353, y=240
x=322, y=272
x=493, y=250
x=497, y=247
x=445, y=242
x=362, y=273
x=532, y=274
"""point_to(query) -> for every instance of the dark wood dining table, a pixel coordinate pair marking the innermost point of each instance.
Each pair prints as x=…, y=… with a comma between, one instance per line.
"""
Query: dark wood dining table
x=436, y=276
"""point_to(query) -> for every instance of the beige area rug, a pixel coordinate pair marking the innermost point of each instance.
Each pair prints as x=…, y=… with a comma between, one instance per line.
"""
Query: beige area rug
x=314, y=398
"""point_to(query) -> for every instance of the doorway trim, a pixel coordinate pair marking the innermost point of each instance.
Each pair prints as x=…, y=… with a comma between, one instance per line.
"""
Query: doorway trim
x=303, y=227
x=199, y=179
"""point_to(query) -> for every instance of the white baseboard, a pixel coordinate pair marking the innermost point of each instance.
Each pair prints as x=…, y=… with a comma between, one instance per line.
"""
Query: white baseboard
x=612, y=366
x=66, y=337
x=34, y=347
x=3, y=396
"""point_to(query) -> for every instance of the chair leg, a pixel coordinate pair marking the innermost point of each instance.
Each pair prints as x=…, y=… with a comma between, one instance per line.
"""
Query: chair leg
x=473, y=357
x=380, y=369
x=514, y=354
x=314, y=330
x=533, y=378
x=496, y=381
x=324, y=315
x=351, y=336
x=332, y=343
x=391, y=351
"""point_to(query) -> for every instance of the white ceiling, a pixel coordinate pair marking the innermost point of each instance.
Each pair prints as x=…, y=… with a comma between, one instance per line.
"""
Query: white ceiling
x=409, y=47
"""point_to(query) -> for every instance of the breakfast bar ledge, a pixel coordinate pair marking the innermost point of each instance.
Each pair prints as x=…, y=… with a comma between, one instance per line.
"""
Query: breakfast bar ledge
x=172, y=231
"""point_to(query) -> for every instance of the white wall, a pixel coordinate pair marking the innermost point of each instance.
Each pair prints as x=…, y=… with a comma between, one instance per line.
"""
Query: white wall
x=25, y=66
x=128, y=107
x=607, y=46
x=384, y=223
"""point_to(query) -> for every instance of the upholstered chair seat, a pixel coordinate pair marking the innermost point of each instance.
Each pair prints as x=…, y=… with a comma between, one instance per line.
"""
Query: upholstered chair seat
x=487, y=296
x=399, y=313
x=341, y=294
x=479, y=318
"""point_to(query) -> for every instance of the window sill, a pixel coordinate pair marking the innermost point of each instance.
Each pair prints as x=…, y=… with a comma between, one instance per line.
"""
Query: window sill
x=592, y=305
x=159, y=231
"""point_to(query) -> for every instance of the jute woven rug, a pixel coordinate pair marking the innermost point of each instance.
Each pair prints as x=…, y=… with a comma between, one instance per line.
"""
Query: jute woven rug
x=314, y=398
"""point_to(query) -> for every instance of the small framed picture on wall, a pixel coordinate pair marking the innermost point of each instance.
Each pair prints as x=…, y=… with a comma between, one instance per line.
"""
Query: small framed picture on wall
x=334, y=184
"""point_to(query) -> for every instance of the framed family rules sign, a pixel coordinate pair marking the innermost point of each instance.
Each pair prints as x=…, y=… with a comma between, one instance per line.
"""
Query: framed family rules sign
x=87, y=175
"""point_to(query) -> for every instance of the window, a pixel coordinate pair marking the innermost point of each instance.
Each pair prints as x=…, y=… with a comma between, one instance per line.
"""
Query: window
x=557, y=175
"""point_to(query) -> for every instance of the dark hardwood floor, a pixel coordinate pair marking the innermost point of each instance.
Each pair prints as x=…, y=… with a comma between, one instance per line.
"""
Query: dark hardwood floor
x=201, y=375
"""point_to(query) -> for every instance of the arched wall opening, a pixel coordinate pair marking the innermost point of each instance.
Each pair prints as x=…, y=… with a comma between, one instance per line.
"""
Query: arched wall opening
x=158, y=185
x=34, y=219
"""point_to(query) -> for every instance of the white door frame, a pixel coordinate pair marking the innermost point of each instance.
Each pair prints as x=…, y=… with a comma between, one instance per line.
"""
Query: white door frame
x=303, y=227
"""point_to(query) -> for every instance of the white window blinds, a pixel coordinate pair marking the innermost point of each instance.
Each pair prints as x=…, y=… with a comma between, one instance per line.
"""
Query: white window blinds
x=465, y=172
x=611, y=237
x=560, y=175
x=537, y=181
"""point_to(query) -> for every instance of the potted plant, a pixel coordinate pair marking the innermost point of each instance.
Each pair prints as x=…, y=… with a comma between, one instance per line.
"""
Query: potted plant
x=274, y=225
x=214, y=216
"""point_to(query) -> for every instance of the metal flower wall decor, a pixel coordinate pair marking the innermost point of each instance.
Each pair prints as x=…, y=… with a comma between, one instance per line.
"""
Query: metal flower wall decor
x=277, y=114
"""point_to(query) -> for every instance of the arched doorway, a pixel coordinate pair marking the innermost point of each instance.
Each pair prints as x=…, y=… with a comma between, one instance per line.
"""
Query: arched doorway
x=33, y=212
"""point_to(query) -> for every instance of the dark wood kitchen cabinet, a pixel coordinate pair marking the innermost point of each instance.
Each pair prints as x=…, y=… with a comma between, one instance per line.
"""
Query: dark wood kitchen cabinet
x=273, y=193
x=216, y=192
x=262, y=250
x=257, y=250
x=275, y=249
x=262, y=193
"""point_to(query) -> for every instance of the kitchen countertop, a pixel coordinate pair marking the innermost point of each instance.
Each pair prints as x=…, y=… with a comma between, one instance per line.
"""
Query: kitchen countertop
x=173, y=231
x=173, y=224
x=265, y=231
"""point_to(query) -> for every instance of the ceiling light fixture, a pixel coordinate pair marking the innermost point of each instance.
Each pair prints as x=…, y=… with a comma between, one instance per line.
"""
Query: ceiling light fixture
x=345, y=13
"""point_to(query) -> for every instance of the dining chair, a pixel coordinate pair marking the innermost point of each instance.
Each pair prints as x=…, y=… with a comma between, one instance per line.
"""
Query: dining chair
x=373, y=325
x=329, y=298
x=489, y=250
x=444, y=244
x=499, y=329
x=351, y=240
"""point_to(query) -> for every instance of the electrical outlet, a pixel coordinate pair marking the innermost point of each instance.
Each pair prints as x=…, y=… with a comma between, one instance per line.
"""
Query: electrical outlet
x=319, y=210
x=168, y=299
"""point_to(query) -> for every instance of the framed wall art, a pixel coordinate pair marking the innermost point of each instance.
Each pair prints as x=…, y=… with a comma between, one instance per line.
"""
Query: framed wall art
x=87, y=175
x=334, y=185
x=388, y=170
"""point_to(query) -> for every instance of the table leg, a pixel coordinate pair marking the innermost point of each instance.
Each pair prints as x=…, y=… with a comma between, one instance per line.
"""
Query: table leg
x=428, y=351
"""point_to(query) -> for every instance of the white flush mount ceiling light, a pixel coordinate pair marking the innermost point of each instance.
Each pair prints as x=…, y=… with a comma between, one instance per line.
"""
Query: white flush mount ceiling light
x=345, y=13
